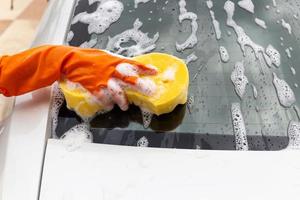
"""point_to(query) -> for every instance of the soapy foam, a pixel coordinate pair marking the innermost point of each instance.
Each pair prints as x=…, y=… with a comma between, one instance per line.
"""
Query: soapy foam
x=184, y=15
x=190, y=103
x=209, y=4
x=127, y=69
x=239, y=128
x=169, y=74
x=293, y=71
x=296, y=85
x=142, y=142
x=143, y=44
x=285, y=94
x=145, y=86
x=191, y=58
x=73, y=86
x=239, y=79
x=260, y=23
x=255, y=93
x=267, y=7
x=137, y=2
x=108, y=12
x=247, y=5
x=281, y=38
x=105, y=101
x=57, y=102
x=274, y=55
x=288, y=52
x=89, y=44
x=243, y=39
x=70, y=36
x=224, y=54
x=294, y=135
x=147, y=118
x=216, y=24
x=77, y=136
x=287, y=26
x=274, y=3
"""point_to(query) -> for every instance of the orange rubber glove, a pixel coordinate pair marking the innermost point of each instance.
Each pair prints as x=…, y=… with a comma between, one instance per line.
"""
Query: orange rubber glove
x=40, y=67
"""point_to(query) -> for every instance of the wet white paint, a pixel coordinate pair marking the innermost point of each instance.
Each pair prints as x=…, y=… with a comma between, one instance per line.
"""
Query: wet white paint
x=239, y=128
x=143, y=42
x=285, y=94
x=224, y=55
x=260, y=23
x=247, y=5
x=107, y=12
x=239, y=80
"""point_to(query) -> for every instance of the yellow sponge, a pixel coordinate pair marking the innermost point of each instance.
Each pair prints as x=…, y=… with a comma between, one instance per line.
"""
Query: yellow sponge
x=172, y=86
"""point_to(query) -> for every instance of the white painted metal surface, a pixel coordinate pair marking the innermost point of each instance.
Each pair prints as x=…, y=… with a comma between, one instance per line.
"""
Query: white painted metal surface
x=22, y=147
x=116, y=172
x=97, y=171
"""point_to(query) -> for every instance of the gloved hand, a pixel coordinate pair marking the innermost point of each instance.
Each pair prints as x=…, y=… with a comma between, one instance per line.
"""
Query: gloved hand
x=103, y=74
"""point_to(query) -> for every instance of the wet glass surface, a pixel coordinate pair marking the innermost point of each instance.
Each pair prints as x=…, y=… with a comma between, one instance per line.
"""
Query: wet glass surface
x=206, y=123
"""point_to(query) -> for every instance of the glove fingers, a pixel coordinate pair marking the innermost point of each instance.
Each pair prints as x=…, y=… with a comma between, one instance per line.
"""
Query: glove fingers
x=145, y=86
x=117, y=94
x=127, y=73
x=142, y=68
x=105, y=98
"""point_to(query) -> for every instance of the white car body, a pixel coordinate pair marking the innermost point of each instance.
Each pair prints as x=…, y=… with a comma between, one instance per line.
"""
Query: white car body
x=33, y=166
